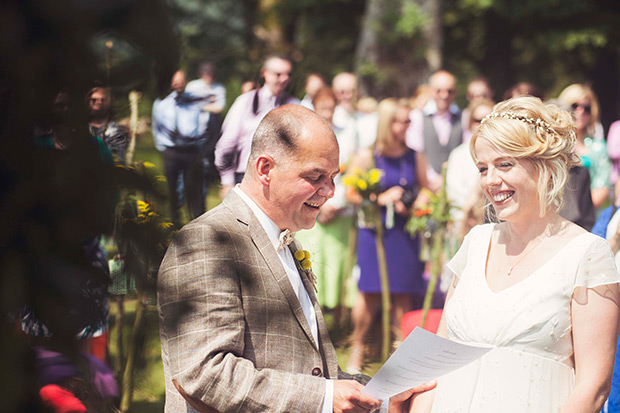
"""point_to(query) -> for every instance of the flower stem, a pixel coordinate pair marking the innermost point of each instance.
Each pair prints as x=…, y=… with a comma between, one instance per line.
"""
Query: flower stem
x=385, y=285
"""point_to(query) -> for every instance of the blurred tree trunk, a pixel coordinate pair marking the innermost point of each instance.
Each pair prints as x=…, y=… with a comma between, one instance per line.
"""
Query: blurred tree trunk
x=367, y=50
x=433, y=32
x=250, y=13
x=498, y=59
x=400, y=44
x=276, y=27
x=606, y=84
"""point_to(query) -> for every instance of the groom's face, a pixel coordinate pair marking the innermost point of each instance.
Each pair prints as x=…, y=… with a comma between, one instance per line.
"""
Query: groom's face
x=301, y=186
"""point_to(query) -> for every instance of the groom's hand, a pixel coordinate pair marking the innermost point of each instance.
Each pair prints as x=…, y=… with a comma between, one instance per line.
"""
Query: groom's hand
x=348, y=397
x=402, y=401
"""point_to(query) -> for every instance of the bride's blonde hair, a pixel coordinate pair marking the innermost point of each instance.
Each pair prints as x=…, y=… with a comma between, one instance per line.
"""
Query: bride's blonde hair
x=525, y=128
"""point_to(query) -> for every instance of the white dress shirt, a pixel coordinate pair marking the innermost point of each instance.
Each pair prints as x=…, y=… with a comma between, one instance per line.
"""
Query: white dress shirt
x=288, y=262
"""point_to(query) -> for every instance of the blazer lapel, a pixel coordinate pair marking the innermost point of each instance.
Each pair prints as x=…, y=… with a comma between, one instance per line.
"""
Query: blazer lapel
x=265, y=248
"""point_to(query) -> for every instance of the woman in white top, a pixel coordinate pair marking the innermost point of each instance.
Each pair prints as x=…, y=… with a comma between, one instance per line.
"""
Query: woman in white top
x=537, y=288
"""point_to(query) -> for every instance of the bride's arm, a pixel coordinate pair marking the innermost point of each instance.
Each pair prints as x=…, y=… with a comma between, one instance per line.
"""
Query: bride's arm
x=424, y=402
x=595, y=333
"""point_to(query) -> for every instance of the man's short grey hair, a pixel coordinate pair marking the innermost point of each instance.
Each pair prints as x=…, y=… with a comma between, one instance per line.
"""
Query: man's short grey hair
x=278, y=133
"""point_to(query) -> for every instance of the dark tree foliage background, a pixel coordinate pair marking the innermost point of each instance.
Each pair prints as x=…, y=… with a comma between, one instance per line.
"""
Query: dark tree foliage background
x=551, y=43
x=50, y=201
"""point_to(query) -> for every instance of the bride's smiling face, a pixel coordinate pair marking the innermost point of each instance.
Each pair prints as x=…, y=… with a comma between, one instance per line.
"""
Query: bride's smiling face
x=510, y=184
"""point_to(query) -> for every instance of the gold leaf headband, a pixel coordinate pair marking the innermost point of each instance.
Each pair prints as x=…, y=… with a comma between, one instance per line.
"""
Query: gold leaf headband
x=511, y=115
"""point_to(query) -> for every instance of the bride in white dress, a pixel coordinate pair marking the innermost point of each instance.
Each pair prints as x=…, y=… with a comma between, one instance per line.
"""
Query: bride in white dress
x=539, y=289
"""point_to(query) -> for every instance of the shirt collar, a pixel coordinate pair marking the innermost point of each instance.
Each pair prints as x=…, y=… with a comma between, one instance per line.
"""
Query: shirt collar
x=272, y=230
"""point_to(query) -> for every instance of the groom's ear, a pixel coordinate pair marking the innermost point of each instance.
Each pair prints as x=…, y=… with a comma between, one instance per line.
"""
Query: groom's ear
x=264, y=168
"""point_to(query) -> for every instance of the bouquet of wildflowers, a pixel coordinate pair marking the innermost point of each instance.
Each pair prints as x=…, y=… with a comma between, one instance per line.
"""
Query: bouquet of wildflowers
x=366, y=185
x=426, y=220
x=431, y=221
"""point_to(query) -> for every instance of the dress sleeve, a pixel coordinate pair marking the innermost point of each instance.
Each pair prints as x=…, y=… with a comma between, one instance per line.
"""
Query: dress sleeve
x=597, y=266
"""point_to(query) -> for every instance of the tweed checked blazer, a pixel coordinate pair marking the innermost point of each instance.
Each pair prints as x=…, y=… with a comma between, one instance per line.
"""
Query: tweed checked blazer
x=234, y=336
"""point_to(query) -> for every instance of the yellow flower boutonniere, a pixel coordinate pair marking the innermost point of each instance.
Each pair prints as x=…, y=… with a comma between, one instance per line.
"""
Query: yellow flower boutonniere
x=303, y=258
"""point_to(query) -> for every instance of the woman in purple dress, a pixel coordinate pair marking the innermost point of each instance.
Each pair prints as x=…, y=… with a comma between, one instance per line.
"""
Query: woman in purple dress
x=404, y=172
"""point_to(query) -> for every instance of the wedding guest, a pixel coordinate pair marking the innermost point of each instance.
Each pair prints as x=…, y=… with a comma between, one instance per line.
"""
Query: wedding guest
x=233, y=147
x=593, y=152
x=102, y=125
x=344, y=85
x=523, y=89
x=177, y=134
x=213, y=97
x=367, y=105
x=403, y=175
x=314, y=83
x=477, y=88
x=613, y=151
x=366, y=122
x=531, y=284
x=85, y=163
x=608, y=226
x=436, y=130
x=462, y=175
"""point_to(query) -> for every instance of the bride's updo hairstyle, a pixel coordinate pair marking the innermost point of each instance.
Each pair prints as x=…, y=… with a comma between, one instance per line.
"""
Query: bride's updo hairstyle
x=525, y=128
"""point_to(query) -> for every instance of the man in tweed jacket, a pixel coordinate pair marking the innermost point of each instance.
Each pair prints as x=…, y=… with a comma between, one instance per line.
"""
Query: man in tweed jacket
x=241, y=329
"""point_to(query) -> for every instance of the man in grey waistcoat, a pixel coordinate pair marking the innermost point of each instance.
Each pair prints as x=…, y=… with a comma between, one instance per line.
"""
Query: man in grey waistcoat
x=436, y=130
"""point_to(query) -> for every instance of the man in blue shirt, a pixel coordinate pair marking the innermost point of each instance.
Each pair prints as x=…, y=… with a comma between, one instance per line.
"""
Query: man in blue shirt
x=176, y=129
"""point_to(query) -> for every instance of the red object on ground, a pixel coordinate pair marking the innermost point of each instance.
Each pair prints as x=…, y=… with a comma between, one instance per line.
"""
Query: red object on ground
x=98, y=346
x=60, y=400
x=413, y=319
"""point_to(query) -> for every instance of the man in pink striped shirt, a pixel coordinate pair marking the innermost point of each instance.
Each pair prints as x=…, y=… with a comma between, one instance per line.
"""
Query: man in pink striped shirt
x=233, y=148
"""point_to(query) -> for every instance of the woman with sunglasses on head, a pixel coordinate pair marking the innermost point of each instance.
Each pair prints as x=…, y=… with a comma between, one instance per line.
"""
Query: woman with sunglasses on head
x=539, y=290
x=593, y=152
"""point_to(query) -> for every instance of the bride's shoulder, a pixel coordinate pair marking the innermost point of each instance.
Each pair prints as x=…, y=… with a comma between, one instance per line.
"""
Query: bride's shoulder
x=569, y=232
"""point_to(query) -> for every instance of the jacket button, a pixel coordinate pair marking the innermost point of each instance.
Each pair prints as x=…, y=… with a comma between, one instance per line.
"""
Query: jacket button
x=317, y=372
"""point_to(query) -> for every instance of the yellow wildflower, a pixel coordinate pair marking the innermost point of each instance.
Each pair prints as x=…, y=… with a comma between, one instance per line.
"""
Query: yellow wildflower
x=374, y=176
x=306, y=255
x=361, y=184
x=349, y=180
x=149, y=165
x=306, y=264
x=300, y=255
x=143, y=206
